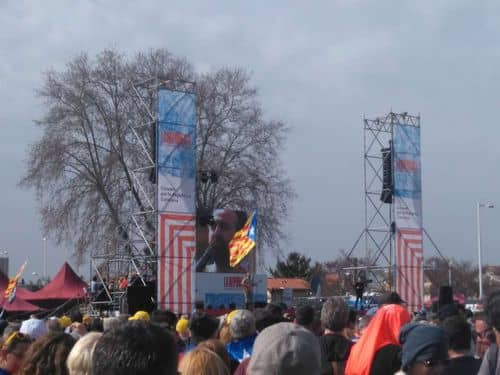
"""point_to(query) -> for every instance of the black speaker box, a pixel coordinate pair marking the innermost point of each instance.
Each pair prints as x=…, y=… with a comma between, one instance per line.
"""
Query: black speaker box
x=140, y=297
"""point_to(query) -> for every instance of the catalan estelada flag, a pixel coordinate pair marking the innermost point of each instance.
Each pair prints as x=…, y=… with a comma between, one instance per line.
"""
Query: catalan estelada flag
x=10, y=291
x=243, y=241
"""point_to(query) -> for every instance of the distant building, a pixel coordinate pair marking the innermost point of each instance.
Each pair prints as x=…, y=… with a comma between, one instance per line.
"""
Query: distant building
x=280, y=289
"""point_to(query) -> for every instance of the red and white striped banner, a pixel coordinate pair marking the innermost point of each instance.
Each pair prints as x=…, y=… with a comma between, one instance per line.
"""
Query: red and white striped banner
x=176, y=275
x=409, y=267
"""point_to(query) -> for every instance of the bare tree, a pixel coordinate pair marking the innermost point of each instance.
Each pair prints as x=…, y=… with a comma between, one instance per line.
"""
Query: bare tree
x=236, y=142
x=348, y=268
x=464, y=275
x=82, y=166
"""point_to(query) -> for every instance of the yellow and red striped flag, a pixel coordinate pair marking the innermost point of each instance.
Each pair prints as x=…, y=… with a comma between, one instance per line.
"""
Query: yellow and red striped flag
x=243, y=241
x=10, y=291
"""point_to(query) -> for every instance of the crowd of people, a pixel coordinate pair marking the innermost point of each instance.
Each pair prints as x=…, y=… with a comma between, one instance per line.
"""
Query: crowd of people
x=267, y=340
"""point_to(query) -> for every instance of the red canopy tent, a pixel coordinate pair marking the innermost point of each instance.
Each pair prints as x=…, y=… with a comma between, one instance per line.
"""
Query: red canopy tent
x=66, y=285
x=19, y=305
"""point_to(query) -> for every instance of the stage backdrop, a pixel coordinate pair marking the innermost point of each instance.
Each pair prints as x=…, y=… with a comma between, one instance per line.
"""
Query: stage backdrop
x=176, y=169
x=407, y=207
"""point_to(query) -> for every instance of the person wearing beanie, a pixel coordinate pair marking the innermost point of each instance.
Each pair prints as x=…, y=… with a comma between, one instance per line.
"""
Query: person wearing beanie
x=285, y=349
x=243, y=333
x=424, y=349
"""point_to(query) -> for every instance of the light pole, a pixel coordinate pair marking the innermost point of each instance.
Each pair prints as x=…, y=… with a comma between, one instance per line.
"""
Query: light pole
x=479, y=259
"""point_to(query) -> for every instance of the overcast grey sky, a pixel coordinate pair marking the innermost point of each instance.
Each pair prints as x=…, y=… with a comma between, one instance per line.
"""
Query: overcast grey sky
x=320, y=66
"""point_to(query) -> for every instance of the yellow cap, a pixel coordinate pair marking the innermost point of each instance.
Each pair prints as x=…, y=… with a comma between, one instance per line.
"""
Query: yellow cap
x=182, y=325
x=140, y=315
x=86, y=319
x=64, y=321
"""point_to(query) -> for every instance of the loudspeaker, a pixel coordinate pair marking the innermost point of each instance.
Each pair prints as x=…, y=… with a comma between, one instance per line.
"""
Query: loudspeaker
x=445, y=295
x=387, y=188
x=140, y=297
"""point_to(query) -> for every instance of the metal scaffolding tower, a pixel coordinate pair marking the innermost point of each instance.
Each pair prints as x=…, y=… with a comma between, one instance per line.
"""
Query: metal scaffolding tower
x=134, y=242
x=378, y=232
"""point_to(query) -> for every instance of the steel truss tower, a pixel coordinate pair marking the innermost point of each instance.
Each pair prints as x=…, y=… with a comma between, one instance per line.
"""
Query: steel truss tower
x=378, y=232
x=135, y=240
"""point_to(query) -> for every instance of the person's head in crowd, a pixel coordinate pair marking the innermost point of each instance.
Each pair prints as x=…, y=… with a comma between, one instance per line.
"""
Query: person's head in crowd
x=425, y=349
x=77, y=330
x=334, y=315
x=285, y=349
x=182, y=328
x=140, y=315
x=87, y=319
x=48, y=354
x=218, y=348
x=447, y=311
x=76, y=316
x=383, y=330
x=34, y=328
x=13, y=351
x=64, y=321
x=11, y=328
x=482, y=333
x=53, y=325
x=164, y=318
x=202, y=327
x=199, y=306
x=110, y=323
x=459, y=335
x=79, y=360
x=135, y=348
x=304, y=316
x=265, y=318
x=242, y=324
x=202, y=361
x=390, y=298
x=225, y=333
x=276, y=310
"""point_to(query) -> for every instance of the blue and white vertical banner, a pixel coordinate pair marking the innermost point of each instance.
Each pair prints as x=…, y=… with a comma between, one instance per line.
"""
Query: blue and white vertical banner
x=176, y=155
x=407, y=176
x=176, y=199
x=407, y=205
